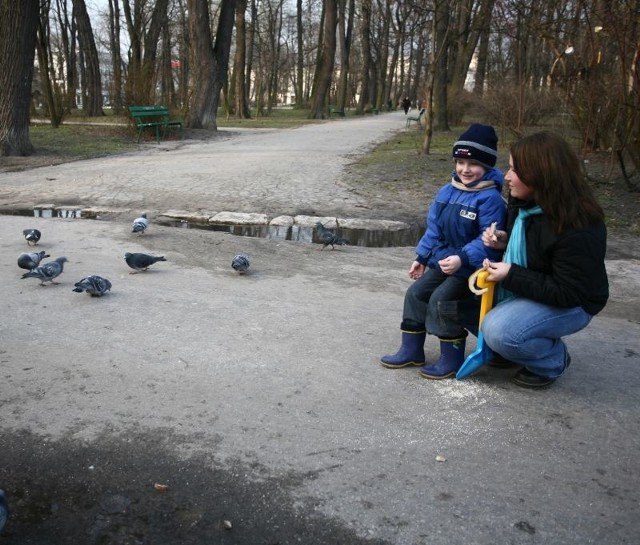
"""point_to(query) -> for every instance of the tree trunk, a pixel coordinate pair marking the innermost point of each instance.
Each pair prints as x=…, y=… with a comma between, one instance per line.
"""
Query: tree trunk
x=19, y=24
x=345, y=31
x=241, y=103
x=68, y=38
x=50, y=90
x=324, y=70
x=115, y=90
x=209, y=62
x=365, y=35
x=469, y=32
x=440, y=82
x=92, y=102
x=299, y=57
x=152, y=39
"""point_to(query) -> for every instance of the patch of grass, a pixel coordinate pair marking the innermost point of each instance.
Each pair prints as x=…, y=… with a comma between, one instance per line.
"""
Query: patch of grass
x=81, y=141
x=277, y=118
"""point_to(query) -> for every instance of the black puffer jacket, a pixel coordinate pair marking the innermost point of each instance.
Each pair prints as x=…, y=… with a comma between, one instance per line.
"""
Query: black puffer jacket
x=565, y=270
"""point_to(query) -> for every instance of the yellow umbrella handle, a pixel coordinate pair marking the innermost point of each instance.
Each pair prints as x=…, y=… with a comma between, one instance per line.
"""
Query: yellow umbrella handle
x=487, y=289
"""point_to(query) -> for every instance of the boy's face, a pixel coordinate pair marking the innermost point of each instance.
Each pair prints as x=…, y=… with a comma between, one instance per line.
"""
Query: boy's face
x=469, y=171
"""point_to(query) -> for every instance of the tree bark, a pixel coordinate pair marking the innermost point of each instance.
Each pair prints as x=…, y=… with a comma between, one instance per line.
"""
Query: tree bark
x=209, y=62
x=116, y=57
x=324, y=69
x=19, y=24
x=241, y=102
x=299, y=57
x=345, y=32
x=50, y=89
x=440, y=76
x=92, y=102
x=365, y=38
x=68, y=37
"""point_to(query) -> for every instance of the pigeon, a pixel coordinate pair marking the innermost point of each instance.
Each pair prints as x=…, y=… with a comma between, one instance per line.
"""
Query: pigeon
x=4, y=510
x=240, y=263
x=329, y=238
x=140, y=224
x=94, y=285
x=30, y=260
x=48, y=271
x=32, y=236
x=141, y=262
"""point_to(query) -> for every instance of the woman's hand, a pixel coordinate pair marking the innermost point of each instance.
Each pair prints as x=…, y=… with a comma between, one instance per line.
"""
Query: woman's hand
x=494, y=238
x=497, y=270
x=416, y=270
x=449, y=265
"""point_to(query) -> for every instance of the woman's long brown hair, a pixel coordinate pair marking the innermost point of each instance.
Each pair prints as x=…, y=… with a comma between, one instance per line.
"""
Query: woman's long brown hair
x=546, y=163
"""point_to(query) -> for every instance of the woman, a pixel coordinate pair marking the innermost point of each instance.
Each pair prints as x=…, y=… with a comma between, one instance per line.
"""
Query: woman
x=552, y=279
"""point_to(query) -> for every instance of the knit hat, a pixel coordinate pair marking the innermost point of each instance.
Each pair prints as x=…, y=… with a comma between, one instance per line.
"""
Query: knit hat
x=478, y=143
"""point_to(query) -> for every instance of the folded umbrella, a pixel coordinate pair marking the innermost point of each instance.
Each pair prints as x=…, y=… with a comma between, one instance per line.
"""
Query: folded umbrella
x=482, y=353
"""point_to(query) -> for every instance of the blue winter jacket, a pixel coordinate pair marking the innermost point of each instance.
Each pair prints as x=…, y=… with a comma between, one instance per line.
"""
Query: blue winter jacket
x=456, y=220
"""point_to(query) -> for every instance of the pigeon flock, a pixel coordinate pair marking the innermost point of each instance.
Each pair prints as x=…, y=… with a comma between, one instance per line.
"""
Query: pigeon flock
x=94, y=285
x=97, y=286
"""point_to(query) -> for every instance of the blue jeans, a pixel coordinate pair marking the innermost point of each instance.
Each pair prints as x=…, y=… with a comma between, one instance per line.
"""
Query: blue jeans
x=530, y=334
x=443, y=304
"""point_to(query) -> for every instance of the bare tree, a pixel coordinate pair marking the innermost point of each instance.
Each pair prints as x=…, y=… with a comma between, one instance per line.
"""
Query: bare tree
x=67, y=30
x=209, y=61
x=345, y=33
x=365, y=48
x=19, y=24
x=324, y=69
x=299, y=56
x=116, y=56
x=92, y=99
x=241, y=100
x=51, y=92
x=439, y=73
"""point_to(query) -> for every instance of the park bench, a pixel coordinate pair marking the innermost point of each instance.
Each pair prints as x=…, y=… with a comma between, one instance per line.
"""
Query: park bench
x=153, y=117
x=333, y=110
x=416, y=118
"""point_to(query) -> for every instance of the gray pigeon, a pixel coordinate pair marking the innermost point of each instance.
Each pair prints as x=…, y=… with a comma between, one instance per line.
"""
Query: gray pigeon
x=141, y=262
x=30, y=260
x=329, y=238
x=140, y=224
x=240, y=263
x=94, y=285
x=32, y=236
x=48, y=271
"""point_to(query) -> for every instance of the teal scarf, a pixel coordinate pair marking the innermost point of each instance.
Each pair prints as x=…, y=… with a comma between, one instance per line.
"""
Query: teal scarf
x=516, y=251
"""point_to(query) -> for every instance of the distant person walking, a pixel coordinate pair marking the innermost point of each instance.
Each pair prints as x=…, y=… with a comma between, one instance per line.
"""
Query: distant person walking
x=406, y=105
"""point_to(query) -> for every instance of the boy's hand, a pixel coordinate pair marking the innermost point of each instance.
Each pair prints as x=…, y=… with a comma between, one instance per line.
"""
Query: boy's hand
x=449, y=265
x=416, y=270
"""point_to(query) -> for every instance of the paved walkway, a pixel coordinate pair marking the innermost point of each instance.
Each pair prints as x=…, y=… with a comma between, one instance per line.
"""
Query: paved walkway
x=275, y=172
x=259, y=399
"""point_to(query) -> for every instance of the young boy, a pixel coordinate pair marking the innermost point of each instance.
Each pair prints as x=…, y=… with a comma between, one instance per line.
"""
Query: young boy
x=449, y=252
